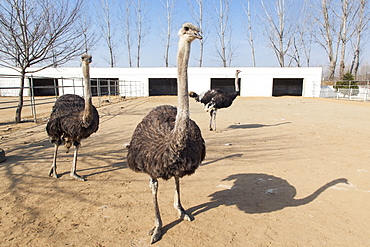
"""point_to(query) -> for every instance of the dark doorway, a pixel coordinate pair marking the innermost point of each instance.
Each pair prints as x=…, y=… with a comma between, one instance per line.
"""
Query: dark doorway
x=162, y=86
x=104, y=86
x=45, y=86
x=287, y=87
x=225, y=84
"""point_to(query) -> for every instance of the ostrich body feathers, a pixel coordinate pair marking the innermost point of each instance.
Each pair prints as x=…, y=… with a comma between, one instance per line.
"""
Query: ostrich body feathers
x=215, y=98
x=152, y=149
x=66, y=121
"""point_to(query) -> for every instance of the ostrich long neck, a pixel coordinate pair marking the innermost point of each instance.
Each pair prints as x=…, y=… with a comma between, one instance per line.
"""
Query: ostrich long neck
x=236, y=82
x=182, y=117
x=87, y=116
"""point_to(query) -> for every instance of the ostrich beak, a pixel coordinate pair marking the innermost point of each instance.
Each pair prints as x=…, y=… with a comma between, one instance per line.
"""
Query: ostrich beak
x=197, y=35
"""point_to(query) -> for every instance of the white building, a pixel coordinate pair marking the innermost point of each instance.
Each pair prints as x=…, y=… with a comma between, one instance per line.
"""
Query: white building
x=254, y=82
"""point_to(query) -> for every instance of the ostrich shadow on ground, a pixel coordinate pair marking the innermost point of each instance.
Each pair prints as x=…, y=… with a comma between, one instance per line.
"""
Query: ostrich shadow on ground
x=254, y=126
x=108, y=168
x=259, y=193
x=255, y=193
x=100, y=163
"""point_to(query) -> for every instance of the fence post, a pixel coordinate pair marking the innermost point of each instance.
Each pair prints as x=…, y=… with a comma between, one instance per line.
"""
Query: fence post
x=99, y=92
x=74, y=86
x=62, y=82
x=109, y=90
x=55, y=87
x=32, y=99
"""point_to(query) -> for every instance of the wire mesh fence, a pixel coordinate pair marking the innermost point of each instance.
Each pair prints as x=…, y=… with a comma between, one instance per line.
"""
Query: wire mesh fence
x=353, y=90
x=40, y=91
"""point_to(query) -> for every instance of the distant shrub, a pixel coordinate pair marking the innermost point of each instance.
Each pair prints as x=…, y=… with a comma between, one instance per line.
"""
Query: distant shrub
x=347, y=85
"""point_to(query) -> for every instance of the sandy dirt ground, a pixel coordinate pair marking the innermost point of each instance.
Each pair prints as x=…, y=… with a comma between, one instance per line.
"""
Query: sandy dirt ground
x=285, y=171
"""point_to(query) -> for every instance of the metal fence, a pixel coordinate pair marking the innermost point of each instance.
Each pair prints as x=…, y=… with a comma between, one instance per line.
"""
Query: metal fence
x=103, y=91
x=359, y=90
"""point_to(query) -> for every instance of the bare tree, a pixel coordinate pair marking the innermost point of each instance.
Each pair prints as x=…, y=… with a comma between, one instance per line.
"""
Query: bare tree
x=279, y=32
x=88, y=31
x=344, y=36
x=38, y=32
x=295, y=55
x=106, y=17
x=301, y=48
x=140, y=7
x=326, y=36
x=361, y=24
x=169, y=10
x=197, y=13
x=127, y=30
x=223, y=47
x=305, y=35
x=249, y=33
x=302, y=40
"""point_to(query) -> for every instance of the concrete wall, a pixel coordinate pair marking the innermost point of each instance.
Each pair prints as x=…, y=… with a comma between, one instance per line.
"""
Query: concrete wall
x=255, y=82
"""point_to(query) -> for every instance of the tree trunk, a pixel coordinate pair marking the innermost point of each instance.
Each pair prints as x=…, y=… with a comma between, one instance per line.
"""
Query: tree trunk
x=168, y=37
x=250, y=35
x=329, y=46
x=343, y=37
x=128, y=32
x=201, y=47
x=18, y=112
x=362, y=22
x=197, y=14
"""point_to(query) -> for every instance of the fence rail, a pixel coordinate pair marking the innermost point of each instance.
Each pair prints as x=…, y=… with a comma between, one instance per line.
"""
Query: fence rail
x=103, y=90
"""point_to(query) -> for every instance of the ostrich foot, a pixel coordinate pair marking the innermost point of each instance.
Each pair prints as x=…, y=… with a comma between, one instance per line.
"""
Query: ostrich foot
x=78, y=177
x=156, y=233
x=183, y=215
x=53, y=173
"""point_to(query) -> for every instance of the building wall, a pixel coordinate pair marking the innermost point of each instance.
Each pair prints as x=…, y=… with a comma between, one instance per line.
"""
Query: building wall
x=255, y=82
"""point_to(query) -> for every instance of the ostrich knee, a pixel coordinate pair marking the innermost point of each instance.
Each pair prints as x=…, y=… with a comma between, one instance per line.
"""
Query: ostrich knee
x=156, y=231
x=177, y=202
x=74, y=164
x=53, y=169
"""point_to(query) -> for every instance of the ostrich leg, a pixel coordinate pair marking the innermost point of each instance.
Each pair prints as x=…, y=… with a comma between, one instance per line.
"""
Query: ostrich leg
x=212, y=122
x=214, y=119
x=210, y=119
x=53, y=169
x=156, y=231
x=177, y=202
x=74, y=164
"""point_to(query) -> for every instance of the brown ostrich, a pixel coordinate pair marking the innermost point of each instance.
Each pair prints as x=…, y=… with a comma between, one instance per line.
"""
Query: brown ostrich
x=167, y=143
x=72, y=119
x=215, y=99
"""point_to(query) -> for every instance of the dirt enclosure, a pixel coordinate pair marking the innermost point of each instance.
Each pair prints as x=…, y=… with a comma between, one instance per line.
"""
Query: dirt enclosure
x=285, y=171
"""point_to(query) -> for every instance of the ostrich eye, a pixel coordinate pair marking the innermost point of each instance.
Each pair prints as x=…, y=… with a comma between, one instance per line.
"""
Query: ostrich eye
x=186, y=28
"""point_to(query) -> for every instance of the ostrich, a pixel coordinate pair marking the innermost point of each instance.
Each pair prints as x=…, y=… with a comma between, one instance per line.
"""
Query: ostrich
x=167, y=143
x=215, y=99
x=73, y=118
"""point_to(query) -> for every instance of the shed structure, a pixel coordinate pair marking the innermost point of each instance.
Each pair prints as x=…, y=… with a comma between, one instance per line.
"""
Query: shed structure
x=254, y=82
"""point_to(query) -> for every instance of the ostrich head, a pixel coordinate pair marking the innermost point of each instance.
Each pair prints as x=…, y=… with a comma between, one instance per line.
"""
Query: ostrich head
x=237, y=72
x=190, y=31
x=86, y=58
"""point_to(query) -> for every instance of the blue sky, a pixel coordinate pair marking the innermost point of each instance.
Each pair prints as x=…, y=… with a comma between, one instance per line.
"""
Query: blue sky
x=153, y=49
